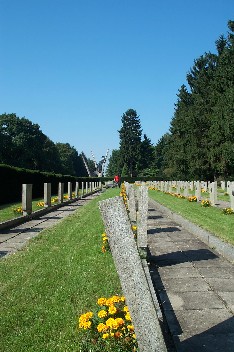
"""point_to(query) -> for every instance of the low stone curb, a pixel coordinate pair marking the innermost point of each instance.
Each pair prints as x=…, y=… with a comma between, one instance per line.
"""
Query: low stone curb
x=223, y=248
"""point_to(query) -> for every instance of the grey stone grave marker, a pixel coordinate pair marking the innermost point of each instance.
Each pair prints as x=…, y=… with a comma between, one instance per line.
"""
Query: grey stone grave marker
x=186, y=189
x=132, y=276
x=60, y=192
x=27, y=199
x=223, y=185
x=142, y=218
x=77, y=190
x=69, y=187
x=47, y=195
x=232, y=195
x=131, y=203
x=198, y=190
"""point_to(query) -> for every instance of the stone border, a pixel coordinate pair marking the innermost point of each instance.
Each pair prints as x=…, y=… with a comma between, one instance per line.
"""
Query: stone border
x=223, y=248
x=36, y=214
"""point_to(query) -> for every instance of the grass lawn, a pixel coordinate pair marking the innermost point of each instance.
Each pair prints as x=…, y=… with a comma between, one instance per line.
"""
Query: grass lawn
x=57, y=277
x=210, y=218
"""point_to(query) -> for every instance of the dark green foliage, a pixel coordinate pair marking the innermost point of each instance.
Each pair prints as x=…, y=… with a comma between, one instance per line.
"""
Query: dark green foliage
x=114, y=164
x=130, y=142
x=135, y=157
x=22, y=144
x=201, y=140
x=12, y=179
x=147, y=158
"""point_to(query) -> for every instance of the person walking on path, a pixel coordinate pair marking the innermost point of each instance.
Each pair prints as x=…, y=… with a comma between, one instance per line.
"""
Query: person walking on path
x=117, y=180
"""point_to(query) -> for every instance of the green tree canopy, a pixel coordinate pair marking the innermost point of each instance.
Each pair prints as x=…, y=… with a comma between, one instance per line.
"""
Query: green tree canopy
x=23, y=144
x=114, y=164
x=130, y=142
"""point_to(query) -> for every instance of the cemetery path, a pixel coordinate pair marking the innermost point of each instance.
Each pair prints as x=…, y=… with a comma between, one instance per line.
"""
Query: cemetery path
x=15, y=238
x=194, y=285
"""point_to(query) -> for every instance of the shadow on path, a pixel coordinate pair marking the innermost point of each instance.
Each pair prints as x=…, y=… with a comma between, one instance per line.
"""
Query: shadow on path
x=179, y=257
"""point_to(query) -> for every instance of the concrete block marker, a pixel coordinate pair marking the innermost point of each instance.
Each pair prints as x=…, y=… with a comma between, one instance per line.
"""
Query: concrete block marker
x=131, y=203
x=142, y=217
x=132, y=277
x=77, y=190
x=47, y=195
x=27, y=199
x=232, y=195
x=69, y=190
x=60, y=192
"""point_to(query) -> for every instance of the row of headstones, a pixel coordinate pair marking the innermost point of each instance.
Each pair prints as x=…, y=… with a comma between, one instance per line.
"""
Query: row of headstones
x=86, y=187
x=138, y=210
x=132, y=269
x=185, y=187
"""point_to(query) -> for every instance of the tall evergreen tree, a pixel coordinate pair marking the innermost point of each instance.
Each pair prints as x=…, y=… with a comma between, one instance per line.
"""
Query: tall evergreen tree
x=114, y=164
x=221, y=132
x=147, y=158
x=130, y=142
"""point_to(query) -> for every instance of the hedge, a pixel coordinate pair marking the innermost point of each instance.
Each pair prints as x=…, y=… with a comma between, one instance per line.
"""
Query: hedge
x=12, y=179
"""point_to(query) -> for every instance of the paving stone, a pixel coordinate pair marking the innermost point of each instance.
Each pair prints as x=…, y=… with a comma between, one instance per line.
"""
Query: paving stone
x=206, y=343
x=228, y=298
x=174, y=272
x=186, y=284
x=215, y=263
x=202, y=320
x=221, y=284
x=209, y=272
x=180, y=236
x=190, y=300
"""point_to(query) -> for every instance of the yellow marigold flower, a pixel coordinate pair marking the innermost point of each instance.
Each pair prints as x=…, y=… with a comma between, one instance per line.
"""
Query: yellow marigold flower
x=109, y=302
x=127, y=316
x=103, y=251
x=104, y=239
x=89, y=315
x=101, y=301
x=130, y=327
x=101, y=327
x=104, y=234
x=112, y=310
x=116, y=299
x=110, y=322
x=86, y=316
x=134, y=228
x=85, y=324
x=119, y=321
x=125, y=309
x=102, y=313
x=105, y=336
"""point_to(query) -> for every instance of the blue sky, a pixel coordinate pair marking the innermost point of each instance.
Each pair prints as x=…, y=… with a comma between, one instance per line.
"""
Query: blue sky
x=75, y=66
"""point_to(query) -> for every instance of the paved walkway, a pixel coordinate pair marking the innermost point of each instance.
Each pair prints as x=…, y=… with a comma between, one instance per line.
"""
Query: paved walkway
x=17, y=237
x=194, y=285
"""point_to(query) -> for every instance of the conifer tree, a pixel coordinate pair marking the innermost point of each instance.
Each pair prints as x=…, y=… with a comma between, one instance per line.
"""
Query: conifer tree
x=130, y=142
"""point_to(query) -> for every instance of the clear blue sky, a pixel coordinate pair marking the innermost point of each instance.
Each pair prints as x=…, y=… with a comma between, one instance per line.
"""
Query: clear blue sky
x=75, y=66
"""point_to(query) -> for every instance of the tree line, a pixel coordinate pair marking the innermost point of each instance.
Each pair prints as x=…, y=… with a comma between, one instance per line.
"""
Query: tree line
x=24, y=145
x=200, y=140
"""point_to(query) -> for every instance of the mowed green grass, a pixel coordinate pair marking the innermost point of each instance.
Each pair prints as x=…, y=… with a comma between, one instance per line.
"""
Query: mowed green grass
x=57, y=277
x=210, y=218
